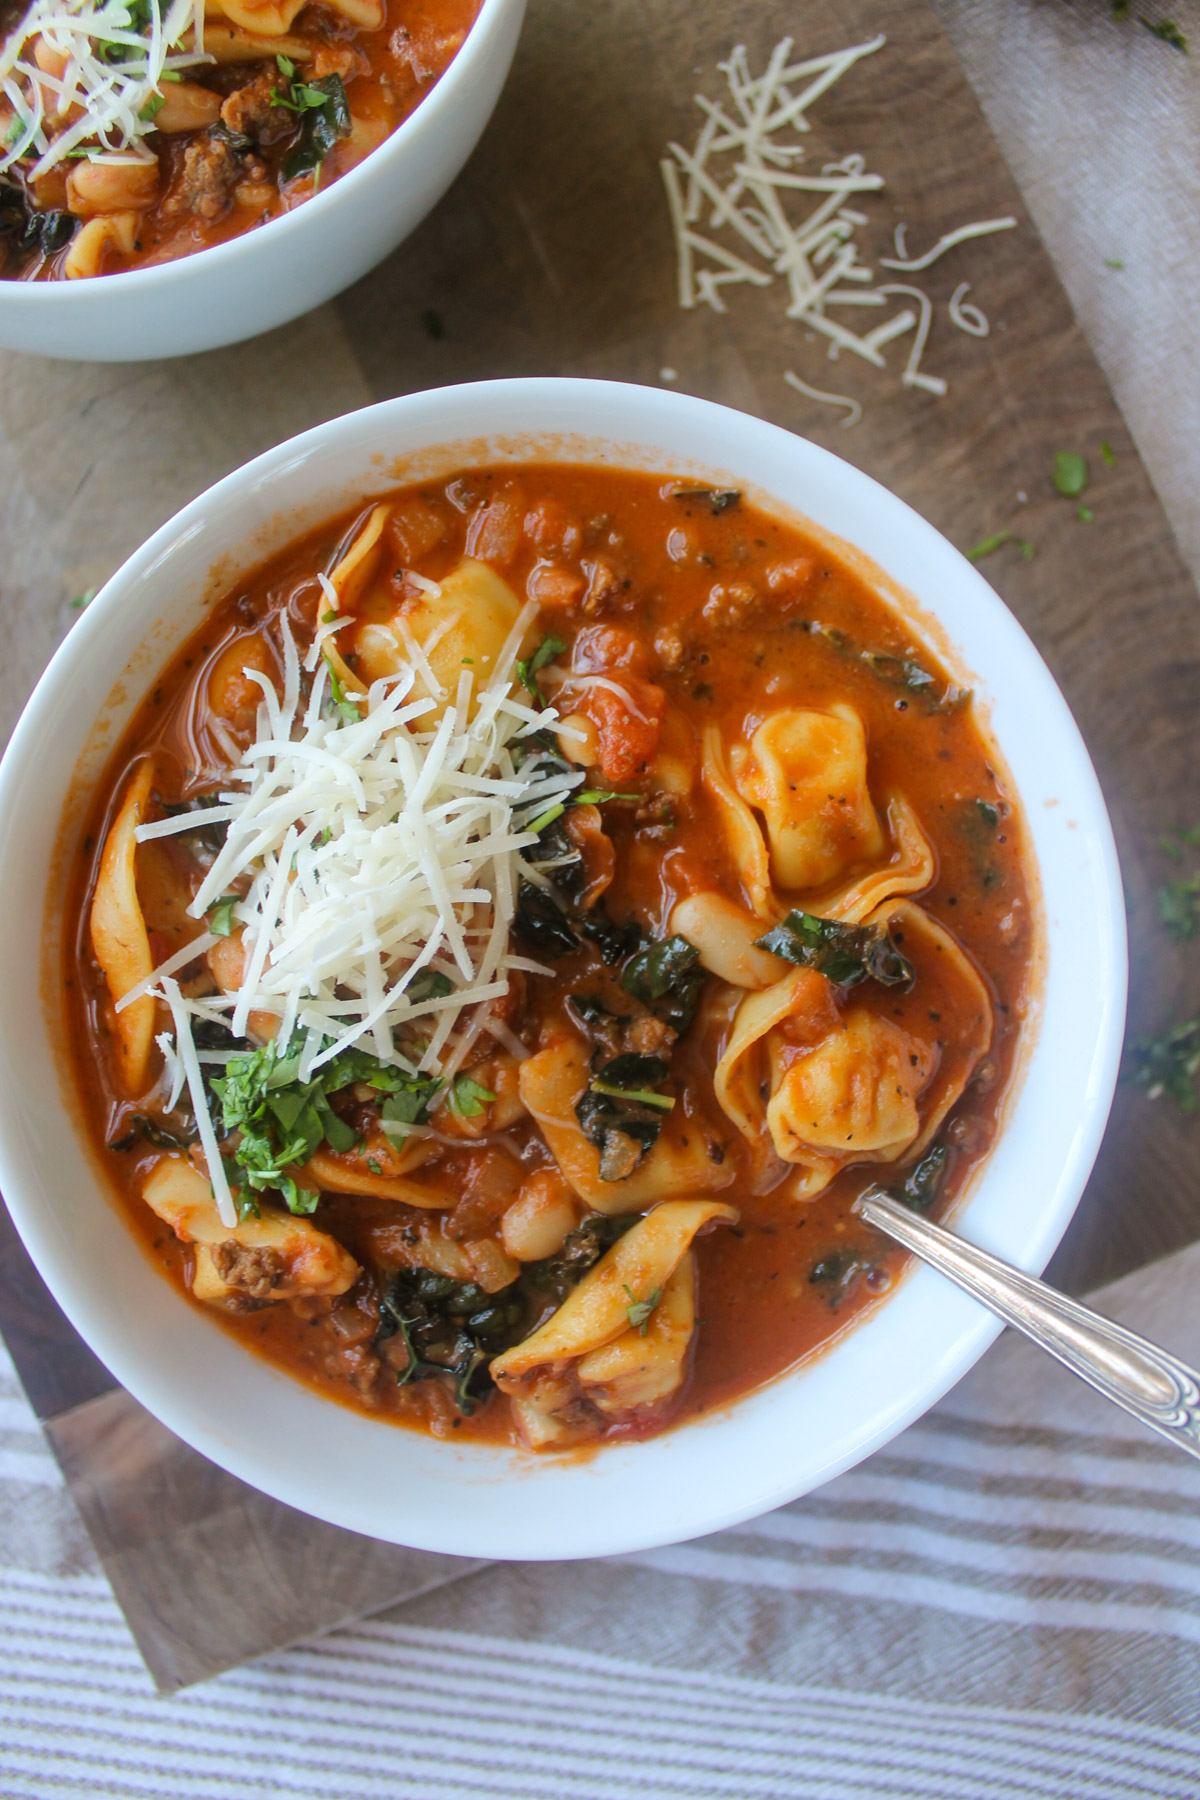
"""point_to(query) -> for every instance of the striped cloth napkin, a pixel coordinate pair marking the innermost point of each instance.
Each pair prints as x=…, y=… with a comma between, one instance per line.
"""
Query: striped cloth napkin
x=1004, y=1604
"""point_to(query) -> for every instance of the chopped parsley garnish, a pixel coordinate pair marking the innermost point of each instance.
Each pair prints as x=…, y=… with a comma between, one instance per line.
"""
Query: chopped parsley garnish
x=638, y=1311
x=1167, y=1064
x=1070, y=473
x=282, y=1121
x=640, y=1096
x=1106, y=452
x=341, y=700
x=529, y=667
x=546, y=818
x=220, y=915
x=1179, y=908
x=598, y=796
x=81, y=601
x=469, y=1098
x=989, y=545
x=1168, y=32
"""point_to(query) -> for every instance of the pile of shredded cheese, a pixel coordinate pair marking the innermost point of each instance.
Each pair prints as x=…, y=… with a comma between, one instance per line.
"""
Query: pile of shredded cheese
x=115, y=65
x=745, y=212
x=375, y=852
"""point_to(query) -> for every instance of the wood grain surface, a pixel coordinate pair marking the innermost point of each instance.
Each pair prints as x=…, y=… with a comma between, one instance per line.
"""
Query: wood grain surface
x=553, y=254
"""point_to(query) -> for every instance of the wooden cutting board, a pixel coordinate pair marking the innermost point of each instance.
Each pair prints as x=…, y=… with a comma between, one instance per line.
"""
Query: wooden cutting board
x=553, y=254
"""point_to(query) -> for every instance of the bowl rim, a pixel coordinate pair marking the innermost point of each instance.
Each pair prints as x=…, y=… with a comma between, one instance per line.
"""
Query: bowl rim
x=965, y=1329
x=476, y=46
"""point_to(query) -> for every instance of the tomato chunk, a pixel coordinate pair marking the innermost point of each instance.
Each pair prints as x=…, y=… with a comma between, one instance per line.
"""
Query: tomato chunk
x=628, y=717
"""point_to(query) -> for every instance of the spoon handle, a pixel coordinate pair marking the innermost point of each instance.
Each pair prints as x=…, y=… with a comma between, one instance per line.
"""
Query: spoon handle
x=1156, y=1388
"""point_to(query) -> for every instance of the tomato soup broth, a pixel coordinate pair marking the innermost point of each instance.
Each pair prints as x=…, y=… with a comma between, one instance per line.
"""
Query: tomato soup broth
x=774, y=942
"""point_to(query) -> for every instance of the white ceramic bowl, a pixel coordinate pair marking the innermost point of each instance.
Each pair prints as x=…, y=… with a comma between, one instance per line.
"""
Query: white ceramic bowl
x=266, y=277
x=772, y=1445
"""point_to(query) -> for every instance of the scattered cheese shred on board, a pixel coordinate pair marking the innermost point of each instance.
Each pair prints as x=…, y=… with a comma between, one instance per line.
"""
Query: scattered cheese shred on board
x=746, y=213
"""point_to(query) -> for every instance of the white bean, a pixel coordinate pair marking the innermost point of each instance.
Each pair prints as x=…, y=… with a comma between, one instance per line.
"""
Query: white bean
x=537, y=1222
x=724, y=933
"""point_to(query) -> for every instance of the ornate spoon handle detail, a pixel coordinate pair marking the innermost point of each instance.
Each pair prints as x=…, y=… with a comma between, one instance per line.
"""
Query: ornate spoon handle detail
x=1155, y=1387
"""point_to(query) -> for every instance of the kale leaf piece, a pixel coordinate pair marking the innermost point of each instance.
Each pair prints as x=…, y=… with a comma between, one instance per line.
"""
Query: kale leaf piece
x=921, y=1185
x=450, y=1329
x=582, y=1248
x=912, y=677
x=667, y=977
x=42, y=233
x=323, y=124
x=542, y=922
x=838, y=1272
x=718, y=500
x=847, y=954
x=613, y=941
x=621, y=1115
x=140, y=1126
x=211, y=834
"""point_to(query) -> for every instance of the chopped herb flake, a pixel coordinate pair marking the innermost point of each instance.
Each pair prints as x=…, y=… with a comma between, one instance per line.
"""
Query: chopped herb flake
x=639, y=1311
x=1179, y=908
x=1167, y=31
x=469, y=1098
x=220, y=915
x=528, y=667
x=1167, y=1064
x=1070, y=473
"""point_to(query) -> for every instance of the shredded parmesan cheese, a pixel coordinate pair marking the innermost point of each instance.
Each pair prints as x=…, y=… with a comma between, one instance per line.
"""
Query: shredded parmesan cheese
x=115, y=53
x=745, y=213
x=378, y=860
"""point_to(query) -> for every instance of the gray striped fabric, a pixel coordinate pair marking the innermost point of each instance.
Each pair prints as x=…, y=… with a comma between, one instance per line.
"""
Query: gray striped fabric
x=1002, y=1605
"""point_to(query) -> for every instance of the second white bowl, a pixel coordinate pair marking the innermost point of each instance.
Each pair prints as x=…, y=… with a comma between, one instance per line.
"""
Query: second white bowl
x=267, y=276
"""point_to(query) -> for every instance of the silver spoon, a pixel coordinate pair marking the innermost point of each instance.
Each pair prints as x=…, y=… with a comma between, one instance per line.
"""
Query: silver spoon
x=1155, y=1387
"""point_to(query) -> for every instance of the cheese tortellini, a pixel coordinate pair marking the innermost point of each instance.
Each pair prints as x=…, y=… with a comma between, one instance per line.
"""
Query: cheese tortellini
x=798, y=818
x=461, y=624
x=274, y=1257
x=119, y=936
x=825, y=1077
x=684, y=1160
x=806, y=773
x=619, y=1341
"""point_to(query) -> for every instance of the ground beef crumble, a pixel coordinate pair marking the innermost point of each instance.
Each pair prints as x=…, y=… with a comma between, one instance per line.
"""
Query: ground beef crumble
x=254, y=1272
